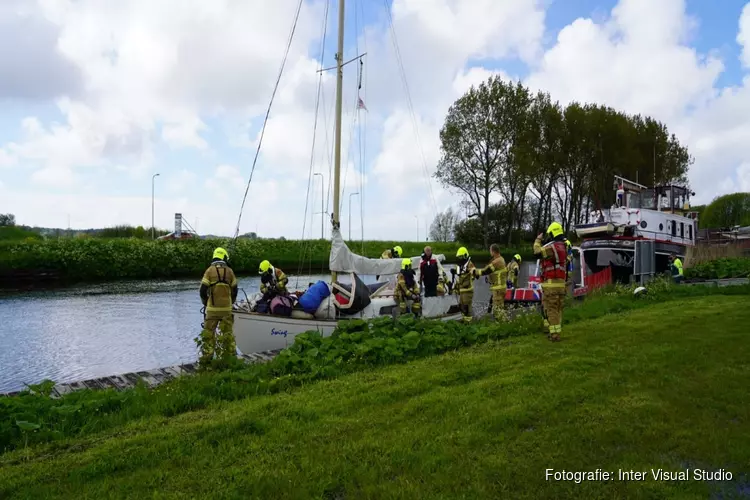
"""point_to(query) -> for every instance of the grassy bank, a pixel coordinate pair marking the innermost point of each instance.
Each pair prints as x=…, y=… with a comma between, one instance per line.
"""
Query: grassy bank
x=355, y=346
x=112, y=259
x=642, y=390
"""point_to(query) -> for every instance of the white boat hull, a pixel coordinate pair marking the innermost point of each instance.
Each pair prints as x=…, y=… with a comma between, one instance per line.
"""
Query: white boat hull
x=255, y=332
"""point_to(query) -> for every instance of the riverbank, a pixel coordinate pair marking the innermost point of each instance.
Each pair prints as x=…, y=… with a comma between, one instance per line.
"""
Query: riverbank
x=97, y=259
x=639, y=390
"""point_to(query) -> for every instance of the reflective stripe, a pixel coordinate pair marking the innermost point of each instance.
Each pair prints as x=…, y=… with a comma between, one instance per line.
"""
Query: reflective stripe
x=554, y=266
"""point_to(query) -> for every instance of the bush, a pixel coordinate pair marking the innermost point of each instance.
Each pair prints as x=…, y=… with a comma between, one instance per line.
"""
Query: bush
x=15, y=233
x=112, y=259
x=720, y=269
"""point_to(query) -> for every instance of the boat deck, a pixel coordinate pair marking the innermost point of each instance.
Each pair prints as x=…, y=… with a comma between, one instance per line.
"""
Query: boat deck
x=152, y=378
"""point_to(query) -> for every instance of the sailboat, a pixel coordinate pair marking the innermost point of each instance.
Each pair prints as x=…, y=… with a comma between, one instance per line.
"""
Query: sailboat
x=260, y=331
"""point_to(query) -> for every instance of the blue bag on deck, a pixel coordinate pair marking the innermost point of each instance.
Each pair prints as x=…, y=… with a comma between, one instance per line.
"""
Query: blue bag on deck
x=313, y=297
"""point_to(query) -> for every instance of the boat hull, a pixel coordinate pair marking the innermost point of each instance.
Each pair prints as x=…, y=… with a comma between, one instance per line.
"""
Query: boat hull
x=256, y=332
x=619, y=253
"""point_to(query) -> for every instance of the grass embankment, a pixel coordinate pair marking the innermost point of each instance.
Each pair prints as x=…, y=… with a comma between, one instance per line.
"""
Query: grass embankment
x=113, y=259
x=659, y=387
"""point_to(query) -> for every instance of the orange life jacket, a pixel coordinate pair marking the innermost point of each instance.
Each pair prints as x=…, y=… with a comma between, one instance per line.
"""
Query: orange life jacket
x=555, y=264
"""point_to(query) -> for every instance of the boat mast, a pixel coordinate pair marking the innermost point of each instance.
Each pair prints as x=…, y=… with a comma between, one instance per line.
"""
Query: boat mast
x=339, y=99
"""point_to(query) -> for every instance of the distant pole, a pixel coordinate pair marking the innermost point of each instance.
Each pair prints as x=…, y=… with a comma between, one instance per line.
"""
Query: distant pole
x=153, y=178
x=322, y=210
x=350, y=214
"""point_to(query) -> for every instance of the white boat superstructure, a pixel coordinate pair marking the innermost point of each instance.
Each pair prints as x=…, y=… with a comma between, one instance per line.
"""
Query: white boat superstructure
x=260, y=331
x=660, y=214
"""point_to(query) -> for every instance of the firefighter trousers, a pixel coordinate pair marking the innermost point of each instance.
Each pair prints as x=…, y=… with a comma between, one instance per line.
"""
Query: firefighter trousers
x=553, y=299
x=223, y=345
x=465, y=300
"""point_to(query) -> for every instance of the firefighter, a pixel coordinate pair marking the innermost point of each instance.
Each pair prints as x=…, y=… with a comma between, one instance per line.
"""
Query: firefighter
x=514, y=269
x=569, y=264
x=443, y=285
x=390, y=253
x=465, y=286
x=407, y=289
x=553, y=254
x=218, y=292
x=676, y=266
x=497, y=272
x=273, y=281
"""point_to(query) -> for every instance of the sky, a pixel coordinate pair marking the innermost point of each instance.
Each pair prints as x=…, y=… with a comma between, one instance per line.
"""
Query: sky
x=97, y=97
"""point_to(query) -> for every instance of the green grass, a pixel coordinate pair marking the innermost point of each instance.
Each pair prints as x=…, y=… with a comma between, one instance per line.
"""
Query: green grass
x=113, y=259
x=663, y=385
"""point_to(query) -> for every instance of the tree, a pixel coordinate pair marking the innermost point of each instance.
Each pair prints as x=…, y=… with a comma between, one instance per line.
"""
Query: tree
x=476, y=142
x=7, y=220
x=443, y=227
x=727, y=211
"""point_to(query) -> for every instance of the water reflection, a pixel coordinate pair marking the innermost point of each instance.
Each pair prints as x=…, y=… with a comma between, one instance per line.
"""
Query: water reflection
x=91, y=331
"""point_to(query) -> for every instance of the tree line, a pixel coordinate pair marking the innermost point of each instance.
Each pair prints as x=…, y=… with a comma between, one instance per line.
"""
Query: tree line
x=542, y=161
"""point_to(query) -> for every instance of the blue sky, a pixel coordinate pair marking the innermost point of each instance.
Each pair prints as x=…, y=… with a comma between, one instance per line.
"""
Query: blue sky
x=94, y=157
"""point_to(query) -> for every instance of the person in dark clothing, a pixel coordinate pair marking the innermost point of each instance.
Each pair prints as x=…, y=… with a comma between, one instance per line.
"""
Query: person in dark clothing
x=429, y=273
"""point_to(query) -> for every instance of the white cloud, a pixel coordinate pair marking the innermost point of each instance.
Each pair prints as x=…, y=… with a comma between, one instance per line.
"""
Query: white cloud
x=743, y=36
x=54, y=176
x=6, y=160
x=638, y=60
x=182, y=73
x=225, y=181
x=635, y=61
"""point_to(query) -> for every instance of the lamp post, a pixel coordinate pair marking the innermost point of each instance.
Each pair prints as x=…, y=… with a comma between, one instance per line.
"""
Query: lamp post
x=153, y=178
x=350, y=214
x=322, y=210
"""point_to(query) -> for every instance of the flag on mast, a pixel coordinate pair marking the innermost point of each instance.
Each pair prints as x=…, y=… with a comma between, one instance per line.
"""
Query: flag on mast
x=361, y=104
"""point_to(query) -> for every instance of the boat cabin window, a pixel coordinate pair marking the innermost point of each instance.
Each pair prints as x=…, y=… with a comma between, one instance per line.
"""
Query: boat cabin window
x=647, y=200
x=690, y=231
x=674, y=227
x=682, y=229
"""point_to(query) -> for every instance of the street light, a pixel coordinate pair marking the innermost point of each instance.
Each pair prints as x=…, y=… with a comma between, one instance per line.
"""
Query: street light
x=322, y=210
x=153, y=178
x=350, y=214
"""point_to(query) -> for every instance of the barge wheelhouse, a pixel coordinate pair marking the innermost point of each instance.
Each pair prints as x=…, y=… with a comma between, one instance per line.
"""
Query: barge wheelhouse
x=660, y=213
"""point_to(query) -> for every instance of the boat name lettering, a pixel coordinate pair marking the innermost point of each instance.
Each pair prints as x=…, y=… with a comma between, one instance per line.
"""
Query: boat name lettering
x=274, y=331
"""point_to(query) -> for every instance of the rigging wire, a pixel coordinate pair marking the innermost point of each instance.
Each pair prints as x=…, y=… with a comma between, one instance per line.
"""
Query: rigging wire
x=409, y=101
x=310, y=176
x=265, y=120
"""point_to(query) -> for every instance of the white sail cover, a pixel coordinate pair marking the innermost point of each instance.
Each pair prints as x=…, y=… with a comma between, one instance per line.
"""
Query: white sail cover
x=343, y=260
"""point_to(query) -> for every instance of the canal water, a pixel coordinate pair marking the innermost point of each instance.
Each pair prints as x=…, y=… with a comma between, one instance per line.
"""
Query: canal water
x=87, y=331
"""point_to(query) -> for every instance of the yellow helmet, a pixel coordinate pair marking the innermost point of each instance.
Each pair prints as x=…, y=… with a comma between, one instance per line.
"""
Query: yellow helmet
x=220, y=253
x=462, y=252
x=517, y=257
x=397, y=250
x=555, y=229
x=406, y=264
x=264, y=267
